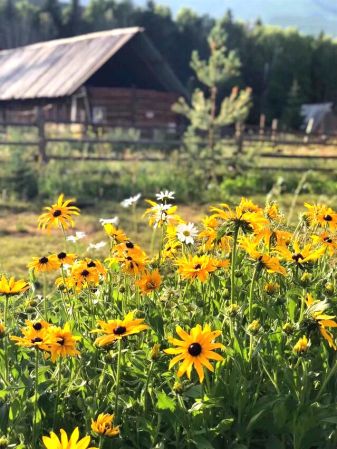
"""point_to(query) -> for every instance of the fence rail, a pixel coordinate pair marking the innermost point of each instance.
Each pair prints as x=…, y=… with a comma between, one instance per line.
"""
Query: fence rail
x=280, y=144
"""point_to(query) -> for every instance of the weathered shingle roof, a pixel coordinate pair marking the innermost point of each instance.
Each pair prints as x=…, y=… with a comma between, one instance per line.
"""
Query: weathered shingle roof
x=58, y=68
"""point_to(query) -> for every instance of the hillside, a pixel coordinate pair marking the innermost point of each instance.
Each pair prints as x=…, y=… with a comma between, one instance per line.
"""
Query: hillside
x=310, y=16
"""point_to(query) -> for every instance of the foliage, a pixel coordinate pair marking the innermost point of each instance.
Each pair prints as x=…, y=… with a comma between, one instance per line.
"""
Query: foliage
x=209, y=116
x=267, y=389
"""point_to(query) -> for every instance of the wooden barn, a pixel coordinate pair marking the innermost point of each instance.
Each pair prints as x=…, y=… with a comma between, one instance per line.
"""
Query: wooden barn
x=115, y=77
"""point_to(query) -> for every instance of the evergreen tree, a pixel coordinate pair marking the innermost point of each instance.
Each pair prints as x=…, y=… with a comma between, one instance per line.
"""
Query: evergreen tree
x=292, y=117
x=209, y=115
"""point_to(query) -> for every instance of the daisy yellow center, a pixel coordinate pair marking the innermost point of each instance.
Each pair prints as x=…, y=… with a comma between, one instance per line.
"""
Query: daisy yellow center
x=43, y=260
x=119, y=330
x=194, y=349
x=186, y=233
x=57, y=213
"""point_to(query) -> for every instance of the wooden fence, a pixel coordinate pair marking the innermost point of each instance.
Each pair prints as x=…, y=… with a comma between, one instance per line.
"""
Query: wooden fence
x=268, y=142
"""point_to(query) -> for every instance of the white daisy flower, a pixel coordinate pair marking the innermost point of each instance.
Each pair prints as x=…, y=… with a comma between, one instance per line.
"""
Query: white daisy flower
x=78, y=236
x=131, y=201
x=165, y=195
x=186, y=233
x=114, y=221
x=96, y=246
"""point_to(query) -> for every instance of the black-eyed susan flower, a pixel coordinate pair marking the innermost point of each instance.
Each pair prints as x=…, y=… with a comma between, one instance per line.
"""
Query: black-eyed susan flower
x=54, y=442
x=59, y=214
x=195, y=349
x=44, y=264
x=300, y=255
x=302, y=345
x=161, y=214
x=117, y=329
x=35, y=335
x=62, y=343
x=103, y=425
x=149, y=282
x=321, y=215
x=196, y=267
x=117, y=235
x=264, y=260
x=327, y=241
x=319, y=320
x=2, y=330
x=271, y=288
x=10, y=287
x=65, y=258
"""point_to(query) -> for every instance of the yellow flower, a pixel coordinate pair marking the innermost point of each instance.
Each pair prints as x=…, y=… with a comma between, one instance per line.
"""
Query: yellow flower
x=160, y=214
x=9, y=287
x=35, y=335
x=44, y=264
x=327, y=241
x=65, y=258
x=194, y=350
x=2, y=330
x=59, y=214
x=271, y=288
x=302, y=345
x=117, y=329
x=300, y=255
x=117, y=235
x=54, y=442
x=103, y=425
x=270, y=263
x=63, y=342
x=196, y=267
x=149, y=282
x=321, y=215
x=316, y=311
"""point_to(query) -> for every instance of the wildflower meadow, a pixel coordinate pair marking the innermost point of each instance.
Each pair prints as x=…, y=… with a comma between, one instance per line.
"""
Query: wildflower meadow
x=220, y=335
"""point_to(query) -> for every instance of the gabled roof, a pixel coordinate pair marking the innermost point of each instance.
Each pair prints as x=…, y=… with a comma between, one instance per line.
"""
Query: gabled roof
x=60, y=67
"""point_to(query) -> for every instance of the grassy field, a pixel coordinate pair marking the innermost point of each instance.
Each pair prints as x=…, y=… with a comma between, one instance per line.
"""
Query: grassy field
x=20, y=239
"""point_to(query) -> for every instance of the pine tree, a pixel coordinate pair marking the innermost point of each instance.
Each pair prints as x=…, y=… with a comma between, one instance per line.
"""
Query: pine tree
x=209, y=115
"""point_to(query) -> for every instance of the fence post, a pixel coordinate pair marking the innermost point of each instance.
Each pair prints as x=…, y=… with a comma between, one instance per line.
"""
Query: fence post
x=239, y=138
x=262, y=125
x=274, y=126
x=41, y=134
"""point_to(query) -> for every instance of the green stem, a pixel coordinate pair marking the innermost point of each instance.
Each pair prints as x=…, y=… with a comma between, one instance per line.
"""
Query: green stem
x=101, y=440
x=57, y=391
x=5, y=340
x=250, y=306
x=147, y=386
x=233, y=263
x=45, y=296
x=36, y=384
x=327, y=379
x=118, y=375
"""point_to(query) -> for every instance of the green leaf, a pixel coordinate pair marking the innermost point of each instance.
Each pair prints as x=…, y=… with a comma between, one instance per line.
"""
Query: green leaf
x=164, y=402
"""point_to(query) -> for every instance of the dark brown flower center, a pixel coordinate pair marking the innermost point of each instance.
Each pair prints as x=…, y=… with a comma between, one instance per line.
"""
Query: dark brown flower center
x=197, y=266
x=129, y=244
x=150, y=285
x=91, y=264
x=297, y=257
x=57, y=213
x=44, y=260
x=327, y=218
x=62, y=255
x=85, y=273
x=60, y=341
x=194, y=349
x=36, y=340
x=327, y=239
x=37, y=326
x=119, y=330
